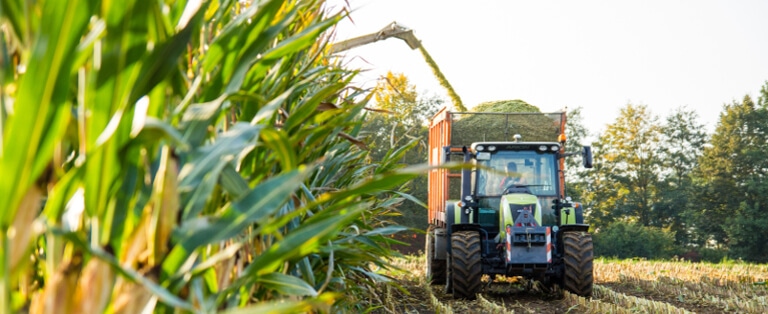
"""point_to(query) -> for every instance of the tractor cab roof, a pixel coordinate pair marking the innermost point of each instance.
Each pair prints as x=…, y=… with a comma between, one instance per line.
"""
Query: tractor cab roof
x=552, y=147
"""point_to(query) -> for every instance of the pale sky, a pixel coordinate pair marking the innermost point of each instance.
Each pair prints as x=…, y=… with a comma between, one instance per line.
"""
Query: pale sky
x=599, y=55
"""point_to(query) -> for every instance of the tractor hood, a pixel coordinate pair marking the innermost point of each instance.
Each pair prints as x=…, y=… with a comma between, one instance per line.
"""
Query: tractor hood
x=519, y=209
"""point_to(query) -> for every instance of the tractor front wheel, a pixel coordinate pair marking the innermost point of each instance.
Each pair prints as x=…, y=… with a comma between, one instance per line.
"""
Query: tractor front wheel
x=466, y=264
x=435, y=267
x=578, y=263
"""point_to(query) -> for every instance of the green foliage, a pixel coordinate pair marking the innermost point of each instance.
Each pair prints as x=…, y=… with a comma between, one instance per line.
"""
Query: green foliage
x=683, y=139
x=628, y=240
x=212, y=150
x=713, y=255
x=403, y=124
x=733, y=181
x=628, y=169
x=711, y=197
x=576, y=134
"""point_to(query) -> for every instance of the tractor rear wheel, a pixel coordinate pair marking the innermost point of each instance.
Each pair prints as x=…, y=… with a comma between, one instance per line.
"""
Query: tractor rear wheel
x=578, y=263
x=466, y=264
x=435, y=267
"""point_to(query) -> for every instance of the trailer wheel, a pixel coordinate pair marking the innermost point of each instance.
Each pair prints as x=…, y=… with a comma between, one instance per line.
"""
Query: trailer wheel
x=578, y=263
x=466, y=264
x=435, y=267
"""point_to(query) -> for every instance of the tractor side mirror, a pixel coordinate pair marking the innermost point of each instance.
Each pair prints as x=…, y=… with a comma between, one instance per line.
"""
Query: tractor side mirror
x=586, y=157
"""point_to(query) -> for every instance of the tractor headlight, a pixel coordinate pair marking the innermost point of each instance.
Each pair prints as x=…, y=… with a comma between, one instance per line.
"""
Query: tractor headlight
x=555, y=148
x=491, y=148
x=479, y=148
x=543, y=148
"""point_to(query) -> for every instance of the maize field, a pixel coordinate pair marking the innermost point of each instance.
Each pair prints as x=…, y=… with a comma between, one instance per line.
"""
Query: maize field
x=621, y=286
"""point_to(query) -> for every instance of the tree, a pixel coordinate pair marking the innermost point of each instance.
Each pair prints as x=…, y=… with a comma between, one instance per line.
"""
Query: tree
x=403, y=120
x=624, y=182
x=733, y=174
x=576, y=133
x=682, y=144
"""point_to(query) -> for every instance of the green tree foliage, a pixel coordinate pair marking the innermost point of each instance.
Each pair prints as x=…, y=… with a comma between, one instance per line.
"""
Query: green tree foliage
x=212, y=148
x=395, y=94
x=683, y=140
x=623, y=185
x=707, y=192
x=401, y=118
x=630, y=239
x=576, y=134
x=733, y=175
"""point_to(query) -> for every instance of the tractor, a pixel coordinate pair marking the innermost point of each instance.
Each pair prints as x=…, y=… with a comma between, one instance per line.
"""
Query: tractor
x=512, y=217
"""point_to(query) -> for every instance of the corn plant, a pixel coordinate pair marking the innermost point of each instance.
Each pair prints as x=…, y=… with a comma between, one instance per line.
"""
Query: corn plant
x=184, y=155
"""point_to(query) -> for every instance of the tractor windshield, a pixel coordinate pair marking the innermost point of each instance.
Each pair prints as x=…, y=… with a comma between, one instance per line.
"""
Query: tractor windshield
x=508, y=168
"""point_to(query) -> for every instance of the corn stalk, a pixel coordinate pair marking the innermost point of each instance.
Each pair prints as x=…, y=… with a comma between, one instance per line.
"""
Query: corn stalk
x=184, y=155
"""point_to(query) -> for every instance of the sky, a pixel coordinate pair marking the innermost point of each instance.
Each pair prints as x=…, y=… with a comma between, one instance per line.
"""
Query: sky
x=598, y=55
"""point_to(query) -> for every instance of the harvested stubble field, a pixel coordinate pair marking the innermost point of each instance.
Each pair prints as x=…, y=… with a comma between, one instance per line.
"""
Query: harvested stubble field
x=621, y=286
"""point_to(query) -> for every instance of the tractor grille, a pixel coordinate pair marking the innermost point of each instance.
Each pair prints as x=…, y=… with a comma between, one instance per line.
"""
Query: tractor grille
x=518, y=209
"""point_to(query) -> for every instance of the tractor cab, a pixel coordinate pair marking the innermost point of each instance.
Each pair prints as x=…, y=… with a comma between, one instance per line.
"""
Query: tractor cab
x=516, y=179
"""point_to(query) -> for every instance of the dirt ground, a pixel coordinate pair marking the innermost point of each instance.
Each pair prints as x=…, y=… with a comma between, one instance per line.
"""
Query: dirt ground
x=627, y=293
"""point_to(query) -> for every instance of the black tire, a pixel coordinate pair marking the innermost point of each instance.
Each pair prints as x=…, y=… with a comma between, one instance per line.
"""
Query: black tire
x=466, y=264
x=435, y=267
x=578, y=258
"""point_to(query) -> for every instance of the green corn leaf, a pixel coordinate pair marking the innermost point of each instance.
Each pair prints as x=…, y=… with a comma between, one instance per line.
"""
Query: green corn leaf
x=199, y=176
x=411, y=198
x=13, y=11
x=231, y=36
x=163, y=59
x=197, y=119
x=41, y=104
x=232, y=182
x=286, y=285
x=389, y=230
x=371, y=186
x=264, y=200
x=284, y=151
x=300, y=241
x=155, y=129
x=308, y=107
x=61, y=194
x=320, y=304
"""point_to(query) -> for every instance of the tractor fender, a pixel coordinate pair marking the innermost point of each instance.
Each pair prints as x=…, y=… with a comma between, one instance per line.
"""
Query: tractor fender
x=573, y=227
x=441, y=244
x=452, y=215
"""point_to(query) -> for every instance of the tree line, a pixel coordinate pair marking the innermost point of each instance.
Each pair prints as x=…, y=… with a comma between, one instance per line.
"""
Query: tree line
x=665, y=187
x=661, y=187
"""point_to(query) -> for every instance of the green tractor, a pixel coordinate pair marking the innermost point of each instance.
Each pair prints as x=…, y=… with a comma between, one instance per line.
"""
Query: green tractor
x=513, y=219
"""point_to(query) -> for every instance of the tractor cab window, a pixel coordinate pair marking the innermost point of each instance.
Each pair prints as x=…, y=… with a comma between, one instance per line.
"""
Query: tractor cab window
x=508, y=168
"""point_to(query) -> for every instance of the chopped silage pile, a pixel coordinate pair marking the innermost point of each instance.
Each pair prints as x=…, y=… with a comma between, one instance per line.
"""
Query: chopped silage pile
x=491, y=121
